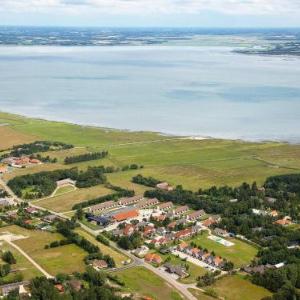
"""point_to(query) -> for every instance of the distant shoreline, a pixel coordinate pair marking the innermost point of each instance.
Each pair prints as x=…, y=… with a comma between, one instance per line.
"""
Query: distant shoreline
x=167, y=135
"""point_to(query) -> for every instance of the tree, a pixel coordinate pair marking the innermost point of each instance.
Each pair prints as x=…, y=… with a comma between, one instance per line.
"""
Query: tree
x=8, y=257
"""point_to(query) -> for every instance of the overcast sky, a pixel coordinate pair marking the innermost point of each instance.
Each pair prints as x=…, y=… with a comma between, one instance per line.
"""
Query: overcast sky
x=170, y=13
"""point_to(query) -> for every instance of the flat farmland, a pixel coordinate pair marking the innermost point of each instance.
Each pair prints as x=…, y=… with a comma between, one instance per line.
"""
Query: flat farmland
x=65, y=202
x=65, y=259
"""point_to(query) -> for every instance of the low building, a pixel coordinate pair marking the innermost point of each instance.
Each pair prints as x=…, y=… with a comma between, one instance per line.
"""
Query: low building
x=165, y=206
x=221, y=232
x=102, y=206
x=3, y=169
x=98, y=220
x=126, y=215
x=50, y=218
x=65, y=182
x=153, y=258
x=259, y=212
x=129, y=200
x=147, y=203
x=273, y=213
x=19, y=286
x=180, y=210
x=285, y=221
x=99, y=264
x=31, y=210
x=164, y=186
x=5, y=202
x=75, y=285
x=128, y=229
x=183, y=233
x=196, y=215
x=177, y=270
x=142, y=251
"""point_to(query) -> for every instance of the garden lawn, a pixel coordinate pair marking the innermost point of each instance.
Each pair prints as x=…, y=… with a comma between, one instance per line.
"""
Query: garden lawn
x=65, y=202
x=145, y=283
x=65, y=259
x=240, y=253
x=237, y=288
x=117, y=256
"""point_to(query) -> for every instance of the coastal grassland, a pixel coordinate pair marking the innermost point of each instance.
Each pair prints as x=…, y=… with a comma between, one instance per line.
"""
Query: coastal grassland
x=65, y=202
x=23, y=266
x=117, y=256
x=240, y=253
x=11, y=137
x=235, y=287
x=191, y=163
x=64, y=259
x=145, y=283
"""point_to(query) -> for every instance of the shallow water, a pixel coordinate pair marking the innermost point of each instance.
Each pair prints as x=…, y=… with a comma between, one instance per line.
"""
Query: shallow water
x=205, y=91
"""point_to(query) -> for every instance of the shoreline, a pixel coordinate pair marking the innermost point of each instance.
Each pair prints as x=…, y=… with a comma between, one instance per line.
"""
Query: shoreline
x=194, y=137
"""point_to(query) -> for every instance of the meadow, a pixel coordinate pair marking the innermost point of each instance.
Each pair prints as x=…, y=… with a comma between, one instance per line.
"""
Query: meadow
x=191, y=163
x=64, y=259
x=147, y=284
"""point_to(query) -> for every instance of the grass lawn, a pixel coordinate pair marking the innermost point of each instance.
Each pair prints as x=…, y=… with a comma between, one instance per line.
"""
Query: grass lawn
x=65, y=259
x=145, y=283
x=236, y=288
x=191, y=163
x=64, y=189
x=240, y=253
x=64, y=203
x=117, y=256
x=24, y=266
x=200, y=296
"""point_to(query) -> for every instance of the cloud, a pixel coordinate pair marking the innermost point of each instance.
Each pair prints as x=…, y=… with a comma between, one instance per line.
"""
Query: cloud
x=144, y=7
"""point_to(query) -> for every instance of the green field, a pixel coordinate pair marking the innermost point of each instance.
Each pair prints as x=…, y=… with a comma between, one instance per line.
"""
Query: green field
x=64, y=190
x=145, y=283
x=23, y=266
x=240, y=253
x=236, y=288
x=192, y=163
x=64, y=202
x=65, y=259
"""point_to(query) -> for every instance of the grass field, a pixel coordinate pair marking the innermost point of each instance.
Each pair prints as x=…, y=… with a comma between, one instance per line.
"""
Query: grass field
x=24, y=266
x=192, y=163
x=145, y=283
x=240, y=253
x=236, y=288
x=199, y=295
x=65, y=259
x=118, y=257
x=64, y=190
x=64, y=202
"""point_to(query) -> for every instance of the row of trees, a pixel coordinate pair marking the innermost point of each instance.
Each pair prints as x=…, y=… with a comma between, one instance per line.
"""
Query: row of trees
x=147, y=181
x=38, y=146
x=85, y=157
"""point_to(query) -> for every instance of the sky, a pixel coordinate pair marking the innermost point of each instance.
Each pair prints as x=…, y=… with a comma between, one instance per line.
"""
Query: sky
x=151, y=13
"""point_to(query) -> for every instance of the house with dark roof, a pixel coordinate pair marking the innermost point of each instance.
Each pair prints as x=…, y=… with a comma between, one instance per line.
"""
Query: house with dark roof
x=180, y=271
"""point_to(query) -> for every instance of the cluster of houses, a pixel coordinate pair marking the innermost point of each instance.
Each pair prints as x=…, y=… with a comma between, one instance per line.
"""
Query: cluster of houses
x=202, y=255
x=19, y=162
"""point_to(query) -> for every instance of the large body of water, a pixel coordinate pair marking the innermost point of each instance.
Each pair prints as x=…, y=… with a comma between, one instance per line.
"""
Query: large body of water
x=203, y=89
